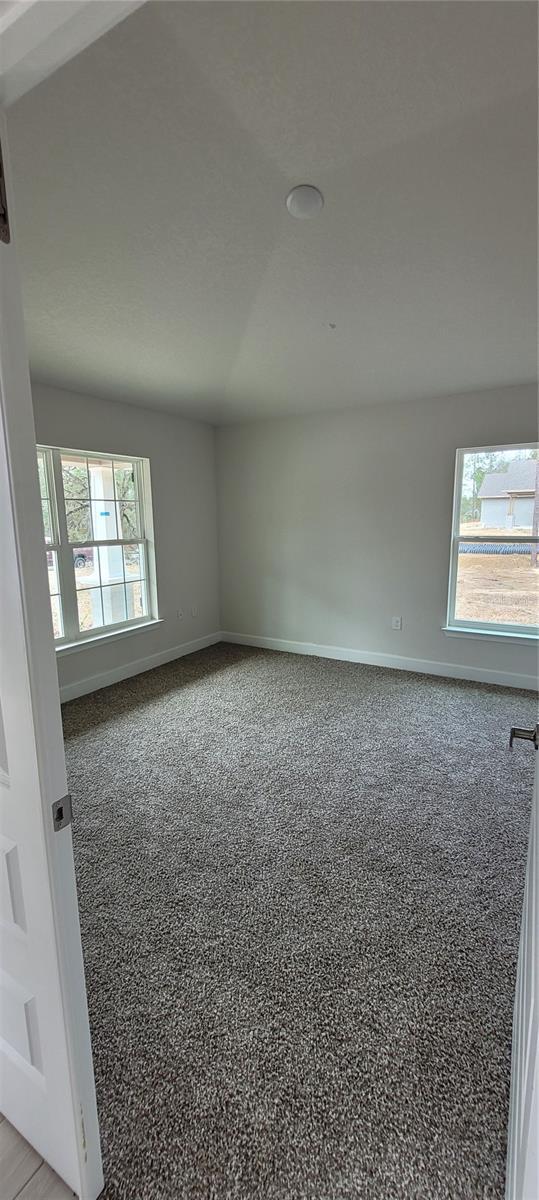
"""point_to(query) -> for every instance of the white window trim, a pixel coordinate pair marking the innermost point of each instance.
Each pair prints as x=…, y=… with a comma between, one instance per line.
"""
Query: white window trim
x=477, y=635
x=73, y=638
x=111, y=634
x=453, y=626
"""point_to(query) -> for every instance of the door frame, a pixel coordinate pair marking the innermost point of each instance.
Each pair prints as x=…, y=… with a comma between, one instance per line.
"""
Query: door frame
x=46, y=713
x=36, y=38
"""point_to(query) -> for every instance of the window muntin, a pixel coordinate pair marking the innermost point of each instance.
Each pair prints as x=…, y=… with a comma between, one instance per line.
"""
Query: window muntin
x=97, y=546
x=494, y=576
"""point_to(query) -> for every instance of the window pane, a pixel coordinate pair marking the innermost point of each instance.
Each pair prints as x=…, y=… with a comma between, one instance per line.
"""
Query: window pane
x=43, y=489
x=498, y=492
x=497, y=583
x=124, y=475
x=111, y=564
x=101, y=485
x=86, y=567
x=104, y=520
x=78, y=520
x=47, y=525
x=137, y=605
x=134, y=562
x=57, y=623
x=75, y=477
x=102, y=508
x=113, y=604
x=129, y=520
x=52, y=570
x=90, y=609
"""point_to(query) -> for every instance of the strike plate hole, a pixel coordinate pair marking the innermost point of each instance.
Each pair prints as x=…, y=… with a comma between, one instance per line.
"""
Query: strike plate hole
x=62, y=812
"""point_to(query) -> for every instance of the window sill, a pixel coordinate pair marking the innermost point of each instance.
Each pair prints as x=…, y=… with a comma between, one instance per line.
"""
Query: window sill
x=71, y=647
x=493, y=634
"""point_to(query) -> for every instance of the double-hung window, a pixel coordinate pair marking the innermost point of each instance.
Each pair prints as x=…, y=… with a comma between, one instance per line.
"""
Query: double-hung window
x=97, y=522
x=494, y=576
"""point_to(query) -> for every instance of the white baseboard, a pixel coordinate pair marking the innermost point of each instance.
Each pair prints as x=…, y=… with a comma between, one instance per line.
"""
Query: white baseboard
x=424, y=666
x=395, y=661
x=92, y=683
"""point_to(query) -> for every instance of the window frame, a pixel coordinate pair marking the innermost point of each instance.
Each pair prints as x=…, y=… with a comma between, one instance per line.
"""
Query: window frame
x=72, y=634
x=484, y=628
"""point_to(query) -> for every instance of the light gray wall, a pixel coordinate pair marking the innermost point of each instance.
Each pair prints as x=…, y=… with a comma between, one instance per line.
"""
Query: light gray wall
x=182, y=465
x=331, y=525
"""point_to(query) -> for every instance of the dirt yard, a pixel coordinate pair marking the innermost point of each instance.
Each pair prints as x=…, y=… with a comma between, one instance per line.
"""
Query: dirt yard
x=503, y=588
x=470, y=528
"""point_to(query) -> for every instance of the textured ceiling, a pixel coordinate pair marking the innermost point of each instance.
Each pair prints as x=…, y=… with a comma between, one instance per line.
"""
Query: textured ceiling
x=160, y=265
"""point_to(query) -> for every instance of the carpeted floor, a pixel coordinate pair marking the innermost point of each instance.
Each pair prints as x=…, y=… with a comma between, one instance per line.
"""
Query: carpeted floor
x=300, y=887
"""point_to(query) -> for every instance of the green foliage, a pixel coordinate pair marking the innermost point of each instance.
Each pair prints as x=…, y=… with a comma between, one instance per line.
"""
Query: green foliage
x=77, y=498
x=467, y=510
x=75, y=479
x=124, y=479
x=79, y=527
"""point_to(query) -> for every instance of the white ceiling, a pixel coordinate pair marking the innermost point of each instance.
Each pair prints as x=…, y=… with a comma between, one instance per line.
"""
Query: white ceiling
x=161, y=267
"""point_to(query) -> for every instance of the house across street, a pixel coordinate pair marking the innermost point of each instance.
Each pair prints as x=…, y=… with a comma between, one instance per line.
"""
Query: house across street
x=507, y=497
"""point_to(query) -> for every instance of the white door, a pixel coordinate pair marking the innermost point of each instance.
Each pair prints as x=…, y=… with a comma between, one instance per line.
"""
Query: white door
x=523, y=1157
x=46, y=1076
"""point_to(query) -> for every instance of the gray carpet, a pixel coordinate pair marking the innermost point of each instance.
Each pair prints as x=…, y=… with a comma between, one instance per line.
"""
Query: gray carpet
x=300, y=887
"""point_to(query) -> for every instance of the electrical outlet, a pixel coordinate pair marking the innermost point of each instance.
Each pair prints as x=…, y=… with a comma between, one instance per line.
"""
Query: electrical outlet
x=396, y=622
x=180, y=614
x=194, y=611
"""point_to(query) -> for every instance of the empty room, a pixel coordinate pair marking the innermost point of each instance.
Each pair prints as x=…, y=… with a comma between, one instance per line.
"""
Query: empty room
x=270, y=600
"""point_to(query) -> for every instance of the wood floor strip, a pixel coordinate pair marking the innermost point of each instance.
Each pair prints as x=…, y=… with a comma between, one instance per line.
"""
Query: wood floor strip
x=18, y=1161
x=45, y=1185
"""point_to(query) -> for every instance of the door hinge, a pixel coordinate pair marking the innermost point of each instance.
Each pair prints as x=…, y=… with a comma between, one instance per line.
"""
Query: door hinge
x=4, y=215
x=62, y=812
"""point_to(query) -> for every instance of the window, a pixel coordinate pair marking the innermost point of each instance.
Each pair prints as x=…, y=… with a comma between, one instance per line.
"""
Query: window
x=494, y=577
x=95, y=521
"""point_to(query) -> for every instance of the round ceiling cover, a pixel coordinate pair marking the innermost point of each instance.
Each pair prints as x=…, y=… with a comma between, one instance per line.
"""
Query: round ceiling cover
x=304, y=201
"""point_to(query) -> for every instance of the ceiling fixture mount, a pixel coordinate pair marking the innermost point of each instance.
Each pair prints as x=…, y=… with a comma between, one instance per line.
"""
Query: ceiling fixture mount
x=304, y=201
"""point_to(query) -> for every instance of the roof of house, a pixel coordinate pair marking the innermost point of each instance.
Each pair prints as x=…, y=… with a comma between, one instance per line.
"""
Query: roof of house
x=520, y=477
